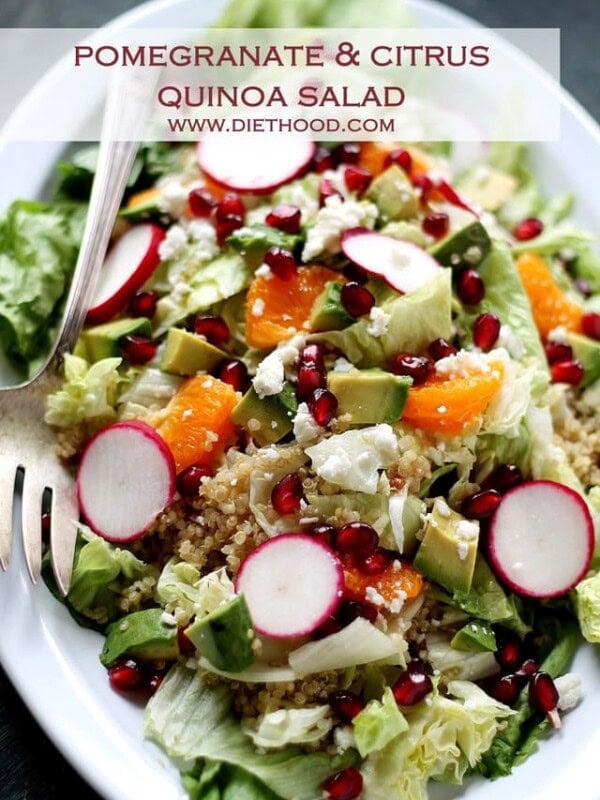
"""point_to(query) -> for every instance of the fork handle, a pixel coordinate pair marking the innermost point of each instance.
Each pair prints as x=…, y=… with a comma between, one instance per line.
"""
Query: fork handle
x=125, y=113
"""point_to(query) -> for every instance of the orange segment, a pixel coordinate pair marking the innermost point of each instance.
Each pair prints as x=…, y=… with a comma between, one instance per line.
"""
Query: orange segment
x=141, y=198
x=373, y=156
x=449, y=406
x=394, y=583
x=276, y=308
x=196, y=425
x=550, y=305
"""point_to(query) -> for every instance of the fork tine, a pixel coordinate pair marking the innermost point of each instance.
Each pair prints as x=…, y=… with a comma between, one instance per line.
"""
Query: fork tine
x=64, y=514
x=7, y=490
x=31, y=523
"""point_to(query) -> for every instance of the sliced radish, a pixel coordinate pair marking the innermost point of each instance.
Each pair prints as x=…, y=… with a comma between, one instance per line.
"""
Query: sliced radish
x=402, y=265
x=126, y=476
x=541, y=539
x=292, y=584
x=129, y=263
x=255, y=165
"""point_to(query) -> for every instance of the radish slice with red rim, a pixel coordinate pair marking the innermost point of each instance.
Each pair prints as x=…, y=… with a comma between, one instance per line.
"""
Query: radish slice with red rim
x=129, y=263
x=402, y=265
x=254, y=165
x=541, y=539
x=292, y=584
x=125, y=478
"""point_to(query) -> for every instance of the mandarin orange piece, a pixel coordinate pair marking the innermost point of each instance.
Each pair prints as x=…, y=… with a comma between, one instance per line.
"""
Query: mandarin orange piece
x=196, y=425
x=374, y=155
x=278, y=308
x=550, y=305
x=397, y=580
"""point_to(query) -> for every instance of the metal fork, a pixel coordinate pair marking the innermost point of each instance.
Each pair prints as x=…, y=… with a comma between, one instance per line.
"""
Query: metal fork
x=27, y=444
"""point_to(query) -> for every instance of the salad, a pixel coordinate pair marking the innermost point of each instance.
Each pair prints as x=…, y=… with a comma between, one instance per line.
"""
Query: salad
x=335, y=435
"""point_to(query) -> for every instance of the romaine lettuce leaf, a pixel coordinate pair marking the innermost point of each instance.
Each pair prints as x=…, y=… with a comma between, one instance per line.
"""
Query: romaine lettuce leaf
x=190, y=718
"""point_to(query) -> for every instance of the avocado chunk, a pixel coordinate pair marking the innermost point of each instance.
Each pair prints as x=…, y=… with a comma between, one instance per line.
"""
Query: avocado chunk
x=394, y=195
x=143, y=635
x=487, y=187
x=465, y=247
x=587, y=351
x=268, y=419
x=225, y=636
x=369, y=396
x=145, y=209
x=328, y=313
x=448, y=550
x=186, y=353
x=476, y=636
x=102, y=341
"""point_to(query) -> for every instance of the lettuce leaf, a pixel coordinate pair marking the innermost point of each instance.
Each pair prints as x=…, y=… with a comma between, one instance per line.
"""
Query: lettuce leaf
x=313, y=13
x=286, y=726
x=38, y=250
x=190, y=719
x=181, y=587
x=212, y=780
x=587, y=603
x=378, y=723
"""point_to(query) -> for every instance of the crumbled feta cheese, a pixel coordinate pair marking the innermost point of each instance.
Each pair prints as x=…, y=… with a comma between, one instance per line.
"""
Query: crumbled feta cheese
x=264, y=271
x=297, y=195
x=373, y=596
x=173, y=195
x=258, y=307
x=343, y=738
x=342, y=364
x=569, y=690
x=168, y=619
x=467, y=530
x=270, y=373
x=395, y=606
x=306, y=430
x=473, y=254
x=173, y=243
x=462, y=548
x=441, y=409
x=379, y=322
x=442, y=508
x=558, y=335
x=203, y=238
x=461, y=364
x=508, y=339
x=332, y=220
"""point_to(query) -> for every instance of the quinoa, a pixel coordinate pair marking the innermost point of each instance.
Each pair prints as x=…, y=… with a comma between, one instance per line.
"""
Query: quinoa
x=578, y=433
x=252, y=700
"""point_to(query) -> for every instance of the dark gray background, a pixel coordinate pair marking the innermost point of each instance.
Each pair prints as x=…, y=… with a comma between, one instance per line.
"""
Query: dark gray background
x=30, y=767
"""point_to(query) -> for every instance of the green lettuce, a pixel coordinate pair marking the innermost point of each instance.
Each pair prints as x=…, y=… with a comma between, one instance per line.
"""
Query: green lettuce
x=181, y=587
x=587, y=267
x=192, y=719
x=313, y=13
x=38, y=250
x=149, y=391
x=286, y=726
x=553, y=239
x=416, y=319
x=378, y=723
x=444, y=739
x=587, y=603
x=260, y=238
x=212, y=780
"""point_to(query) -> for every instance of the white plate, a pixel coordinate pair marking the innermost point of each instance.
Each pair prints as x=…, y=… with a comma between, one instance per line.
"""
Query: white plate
x=54, y=664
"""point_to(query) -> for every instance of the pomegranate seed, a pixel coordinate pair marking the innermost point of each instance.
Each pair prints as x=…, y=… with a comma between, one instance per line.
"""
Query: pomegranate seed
x=505, y=689
x=451, y=195
x=357, y=179
x=376, y=563
x=346, y=153
x=284, y=217
x=543, y=694
x=503, y=478
x=327, y=629
x=470, y=287
x=287, y=494
x=309, y=380
x=137, y=349
x=486, y=330
x=202, y=202
x=227, y=226
x=356, y=299
x=509, y=654
x=357, y=538
x=411, y=688
x=325, y=534
x=528, y=229
x=350, y=610
x=344, y=785
x=481, y=504
x=346, y=705
x=214, y=329
x=590, y=323
x=571, y=372
x=557, y=351
x=228, y=206
x=312, y=355
x=416, y=367
x=528, y=668
x=440, y=348
x=401, y=158
x=190, y=479
x=154, y=683
x=424, y=185
x=186, y=646
x=583, y=287
x=235, y=373
x=322, y=160
x=125, y=677
x=143, y=304
x=323, y=406
x=281, y=262
x=436, y=225
x=327, y=189
x=46, y=526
